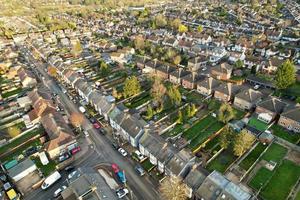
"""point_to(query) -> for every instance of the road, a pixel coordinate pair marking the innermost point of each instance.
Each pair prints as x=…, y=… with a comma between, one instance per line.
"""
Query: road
x=141, y=188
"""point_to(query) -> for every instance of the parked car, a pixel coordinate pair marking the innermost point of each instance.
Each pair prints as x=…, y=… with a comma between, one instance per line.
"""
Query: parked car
x=75, y=150
x=92, y=120
x=86, y=133
x=115, y=145
x=122, y=151
x=69, y=168
x=58, y=192
x=50, y=180
x=122, y=192
x=31, y=150
x=63, y=157
x=115, y=168
x=74, y=174
x=139, y=155
x=139, y=169
x=96, y=125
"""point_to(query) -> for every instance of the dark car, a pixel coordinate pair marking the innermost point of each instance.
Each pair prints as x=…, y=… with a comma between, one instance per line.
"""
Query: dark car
x=69, y=168
x=115, y=145
x=92, y=120
x=139, y=170
x=31, y=150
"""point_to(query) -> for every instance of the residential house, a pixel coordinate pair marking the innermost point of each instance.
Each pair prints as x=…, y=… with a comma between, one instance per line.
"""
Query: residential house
x=185, y=45
x=272, y=65
x=221, y=41
x=247, y=98
x=217, y=54
x=243, y=44
x=196, y=63
x=104, y=105
x=172, y=42
x=290, y=118
x=262, y=46
x=222, y=71
x=141, y=61
x=189, y=81
x=27, y=78
x=272, y=51
x=226, y=91
x=61, y=137
x=268, y=109
x=216, y=186
x=176, y=76
x=150, y=66
x=235, y=56
x=194, y=179
x=180, y=164
x=156, y=149
x=253, y=62
x=163, y=71
x=207, y=86
x=254, y=80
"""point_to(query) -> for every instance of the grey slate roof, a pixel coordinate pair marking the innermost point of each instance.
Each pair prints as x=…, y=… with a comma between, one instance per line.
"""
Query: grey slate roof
x=273, y=104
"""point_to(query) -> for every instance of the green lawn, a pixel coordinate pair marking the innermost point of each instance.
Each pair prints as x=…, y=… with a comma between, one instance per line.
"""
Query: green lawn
x=46, y=169
x=175, y=131
x=21, y=140
x=275, y=153
x=147, y=165
x=239, y=114
x=252, y=156
x=139, y=100
x=222, y=161
x=260, y=178
x=194, y=97
x=213, y=105
x=212, y=143
x=198, y=127
x=11, y=93
x=298, y=196
x=283, y=180
x=259, y=125
x=282, y=133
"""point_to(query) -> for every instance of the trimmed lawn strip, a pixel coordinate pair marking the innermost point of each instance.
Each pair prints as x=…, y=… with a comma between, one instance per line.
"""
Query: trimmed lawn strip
x=21, y=139
x=260, y=178
x=281, y=183
x=282, y=133
x=298, y=196
x=259, y=125
x=275, y=153
x=252, y=156
x=212, y=143
x=201, y=125
x=239, y=114
x=222, y=161
x=140, y=100
x=11, y=93
x=20, y=151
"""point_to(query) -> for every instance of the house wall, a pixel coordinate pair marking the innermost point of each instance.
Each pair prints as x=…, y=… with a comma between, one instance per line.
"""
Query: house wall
x=241, y=103
x=221, y=96
x=55, y=152
x=289, y=124
x=24, y=173
x=260, y=110
x=204, y=91
x=187, y=84
x=174, y=79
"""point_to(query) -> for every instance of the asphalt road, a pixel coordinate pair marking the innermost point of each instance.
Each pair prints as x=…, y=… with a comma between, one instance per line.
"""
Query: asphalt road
x=141, y=188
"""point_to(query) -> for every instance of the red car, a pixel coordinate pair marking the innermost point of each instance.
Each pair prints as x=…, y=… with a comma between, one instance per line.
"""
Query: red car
x=96, y=125
x=115, y=168
x=75, y=150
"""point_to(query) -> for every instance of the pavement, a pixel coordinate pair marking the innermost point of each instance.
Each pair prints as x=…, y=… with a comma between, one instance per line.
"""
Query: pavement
x=100, y=148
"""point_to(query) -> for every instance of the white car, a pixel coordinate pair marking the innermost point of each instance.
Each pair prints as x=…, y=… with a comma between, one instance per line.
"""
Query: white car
x=122, y=151
x=59, y=191
x=122, y=192
x=74, y=174
x=139, y=155
x=256, y=87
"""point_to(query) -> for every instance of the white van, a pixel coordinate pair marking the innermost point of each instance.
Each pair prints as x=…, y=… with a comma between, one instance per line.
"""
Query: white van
x=50, y=180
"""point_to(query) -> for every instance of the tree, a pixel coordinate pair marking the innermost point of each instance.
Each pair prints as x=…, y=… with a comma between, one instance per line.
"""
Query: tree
x=172, y=188
x=116, y=94
x=285, y=75
x=180, y=117
x=77, y=49
x=226, y=113
x=200, y=29
x=254, y=3
x=104, y=68
x=175, y=95
x=242, y=142
x=188, y=111
x=193, y=110
x=52, y=71
x=160, y=21
x=139, y=42
x=13, y=131
x=131, y=86
x=225, y=138
x=182, y=28
x=177, y=59
x=239, y=64
x=150, y=112
x=158, y=90
x=176, y=23
x=76, y=119
x=298, y=100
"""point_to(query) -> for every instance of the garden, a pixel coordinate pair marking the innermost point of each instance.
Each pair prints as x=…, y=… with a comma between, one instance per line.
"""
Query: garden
x=252, y=156
x=286, y=135
x=222, y=161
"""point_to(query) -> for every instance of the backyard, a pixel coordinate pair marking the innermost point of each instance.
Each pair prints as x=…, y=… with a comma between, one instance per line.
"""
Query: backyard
x=275, y=153
x=202, y=130
x=252, y=156
x=257, y=124
x=222, y=161
x=282, y=133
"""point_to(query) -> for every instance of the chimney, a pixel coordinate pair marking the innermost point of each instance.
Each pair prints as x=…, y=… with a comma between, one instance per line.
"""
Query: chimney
x=165, y=145
x=210, y=82
x=229, y=85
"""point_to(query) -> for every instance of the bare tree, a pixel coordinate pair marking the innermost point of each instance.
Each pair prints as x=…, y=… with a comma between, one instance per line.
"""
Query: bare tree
x=172, y=188
x=76, y=119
